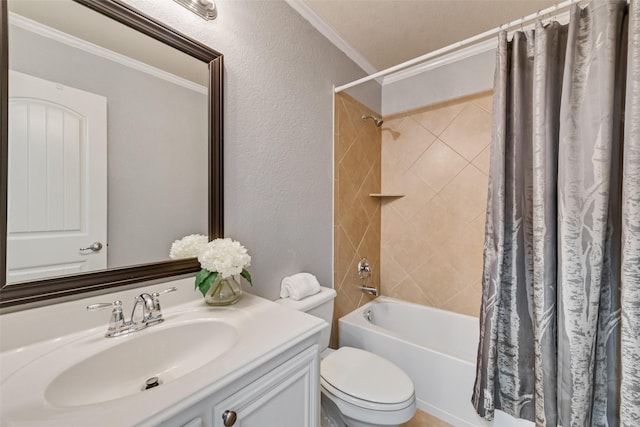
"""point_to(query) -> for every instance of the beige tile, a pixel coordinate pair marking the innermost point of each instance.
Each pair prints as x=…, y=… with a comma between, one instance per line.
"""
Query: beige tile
x=439, y=280
x=464, y=250
x=412, y=142
x=370, y=246
x=342, y=306
x=423, y=419
x=470, y=131
x=410, y=250
x=436, y=120
x=482, y=160
x=377, y=220
x=354, y=166
x=355, y=222
x=371, y=146
x=391, y=273
x=485, y=102
x=392, y=224
x=352, y=282
x=479, y=222
x=417, y=194
x=467, y=301
x=343, y=256
x=355, y=111
x=466, y=195
x=436, y=223
x=438, y=165
x=466, y=239
x=357, y=216
x=392, y=169
x=408, y=290
x=345, y=131
x=468, y=268
x=346, y=194
x=371, y=184
x=377, y=174
x=390, y=134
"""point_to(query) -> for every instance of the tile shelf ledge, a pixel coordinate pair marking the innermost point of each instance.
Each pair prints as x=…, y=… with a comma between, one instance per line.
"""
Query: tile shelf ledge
x=385, y=195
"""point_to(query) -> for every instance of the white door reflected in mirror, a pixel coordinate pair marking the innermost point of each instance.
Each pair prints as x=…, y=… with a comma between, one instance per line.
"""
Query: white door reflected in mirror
x=57, y=195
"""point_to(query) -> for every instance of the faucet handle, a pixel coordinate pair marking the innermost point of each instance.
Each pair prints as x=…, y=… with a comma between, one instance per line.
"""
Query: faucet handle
x=155, y=295
x=117, y=324
x=156, y=299
x=103, y=305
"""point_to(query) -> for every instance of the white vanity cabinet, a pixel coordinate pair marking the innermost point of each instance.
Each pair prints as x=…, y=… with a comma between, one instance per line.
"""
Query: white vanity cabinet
x=258, y=360
x=280, y=393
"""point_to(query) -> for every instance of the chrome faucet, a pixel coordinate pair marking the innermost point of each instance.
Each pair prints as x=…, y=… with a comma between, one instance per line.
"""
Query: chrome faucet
x=369, y=290
x=143, y=312
x=364, y=272
x=146, y=312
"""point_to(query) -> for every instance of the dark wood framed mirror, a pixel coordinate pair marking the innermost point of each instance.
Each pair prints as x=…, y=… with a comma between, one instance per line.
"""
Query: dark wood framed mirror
x=24, y=292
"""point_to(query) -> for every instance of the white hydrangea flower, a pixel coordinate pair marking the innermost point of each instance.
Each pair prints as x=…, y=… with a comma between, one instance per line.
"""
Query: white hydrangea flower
x=188, y=247
x=227, y=257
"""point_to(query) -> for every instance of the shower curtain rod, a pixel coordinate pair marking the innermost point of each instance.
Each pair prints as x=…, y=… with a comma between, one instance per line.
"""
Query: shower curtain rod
x=552, y=11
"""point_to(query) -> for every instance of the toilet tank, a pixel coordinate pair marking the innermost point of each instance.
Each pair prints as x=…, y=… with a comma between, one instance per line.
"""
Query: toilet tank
x=319, y=305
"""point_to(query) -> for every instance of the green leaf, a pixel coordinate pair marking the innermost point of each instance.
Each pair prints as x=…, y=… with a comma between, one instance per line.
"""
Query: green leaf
x=246, y=276
x=202, y=276
x=205, y=285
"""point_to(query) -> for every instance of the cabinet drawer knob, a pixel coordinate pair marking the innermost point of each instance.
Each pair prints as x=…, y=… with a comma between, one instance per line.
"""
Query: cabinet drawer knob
x=229, y=418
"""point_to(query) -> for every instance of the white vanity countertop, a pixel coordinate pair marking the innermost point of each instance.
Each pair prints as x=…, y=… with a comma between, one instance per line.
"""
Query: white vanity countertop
x=264, y=330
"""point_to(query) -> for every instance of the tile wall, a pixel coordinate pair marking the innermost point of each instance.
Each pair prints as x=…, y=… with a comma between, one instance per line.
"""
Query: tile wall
x=432, y=238
x=356, y=214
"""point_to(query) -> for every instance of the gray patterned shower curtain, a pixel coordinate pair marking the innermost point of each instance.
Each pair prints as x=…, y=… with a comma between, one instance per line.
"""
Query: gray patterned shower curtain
x=560, y=317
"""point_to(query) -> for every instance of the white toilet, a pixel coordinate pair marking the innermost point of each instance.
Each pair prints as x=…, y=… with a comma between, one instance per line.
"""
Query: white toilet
x=359, y=388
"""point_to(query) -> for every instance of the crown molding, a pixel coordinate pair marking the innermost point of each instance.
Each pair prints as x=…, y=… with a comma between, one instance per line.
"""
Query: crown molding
x=307, y=13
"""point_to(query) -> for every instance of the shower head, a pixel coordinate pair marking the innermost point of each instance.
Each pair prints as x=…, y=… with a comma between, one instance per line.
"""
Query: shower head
x=377, y=120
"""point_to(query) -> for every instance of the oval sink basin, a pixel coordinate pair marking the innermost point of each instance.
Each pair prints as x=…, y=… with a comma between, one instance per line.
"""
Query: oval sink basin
x=123, y=369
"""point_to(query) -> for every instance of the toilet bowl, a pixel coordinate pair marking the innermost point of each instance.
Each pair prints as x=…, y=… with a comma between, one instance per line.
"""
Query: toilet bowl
x=358, y=388
x=366, y=389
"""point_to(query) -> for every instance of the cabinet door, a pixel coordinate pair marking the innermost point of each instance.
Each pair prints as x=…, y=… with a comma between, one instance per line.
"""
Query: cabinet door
x=288, y=396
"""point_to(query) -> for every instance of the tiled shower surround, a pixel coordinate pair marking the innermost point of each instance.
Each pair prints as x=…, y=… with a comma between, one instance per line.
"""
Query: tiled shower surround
x=356, y=214
x=432, y=238
x=424, y=247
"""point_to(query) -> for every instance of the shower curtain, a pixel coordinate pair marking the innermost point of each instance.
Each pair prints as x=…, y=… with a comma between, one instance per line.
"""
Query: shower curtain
x=560, y=316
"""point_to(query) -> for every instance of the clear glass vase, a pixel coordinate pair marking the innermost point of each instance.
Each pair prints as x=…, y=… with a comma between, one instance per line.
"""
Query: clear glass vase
x=223, y=292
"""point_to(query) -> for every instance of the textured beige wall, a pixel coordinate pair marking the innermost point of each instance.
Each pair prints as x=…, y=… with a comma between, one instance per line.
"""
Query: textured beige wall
x=432, y=238
x=356, y=214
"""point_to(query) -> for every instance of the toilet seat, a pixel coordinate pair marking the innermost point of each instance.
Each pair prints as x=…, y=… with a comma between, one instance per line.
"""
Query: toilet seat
x=365, y=404
x=366, y=380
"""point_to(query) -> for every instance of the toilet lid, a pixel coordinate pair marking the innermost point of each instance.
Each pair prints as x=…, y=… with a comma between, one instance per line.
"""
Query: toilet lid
x=365, y=376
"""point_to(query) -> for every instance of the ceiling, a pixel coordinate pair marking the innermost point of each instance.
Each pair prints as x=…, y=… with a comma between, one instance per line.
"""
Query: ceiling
x=383, y=33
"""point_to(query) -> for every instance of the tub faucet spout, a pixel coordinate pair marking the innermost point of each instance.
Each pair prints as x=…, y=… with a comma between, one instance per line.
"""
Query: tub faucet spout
x=369, y=290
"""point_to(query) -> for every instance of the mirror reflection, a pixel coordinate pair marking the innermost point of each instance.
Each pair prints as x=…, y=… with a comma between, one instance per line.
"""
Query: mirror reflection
x=107, y=143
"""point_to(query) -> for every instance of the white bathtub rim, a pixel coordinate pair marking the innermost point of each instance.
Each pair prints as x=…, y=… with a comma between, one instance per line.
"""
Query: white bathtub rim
x=356, y=318
x=411, y=343
x=383, y=298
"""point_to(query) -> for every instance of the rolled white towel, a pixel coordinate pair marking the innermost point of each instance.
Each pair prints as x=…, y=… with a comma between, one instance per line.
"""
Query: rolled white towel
x=299, y=286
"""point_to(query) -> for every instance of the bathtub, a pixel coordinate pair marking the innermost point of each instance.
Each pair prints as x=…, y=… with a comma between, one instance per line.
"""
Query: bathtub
x=436, y=348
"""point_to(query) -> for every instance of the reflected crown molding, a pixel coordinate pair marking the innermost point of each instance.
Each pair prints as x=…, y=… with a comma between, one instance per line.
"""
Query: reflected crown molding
x=75, y=42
